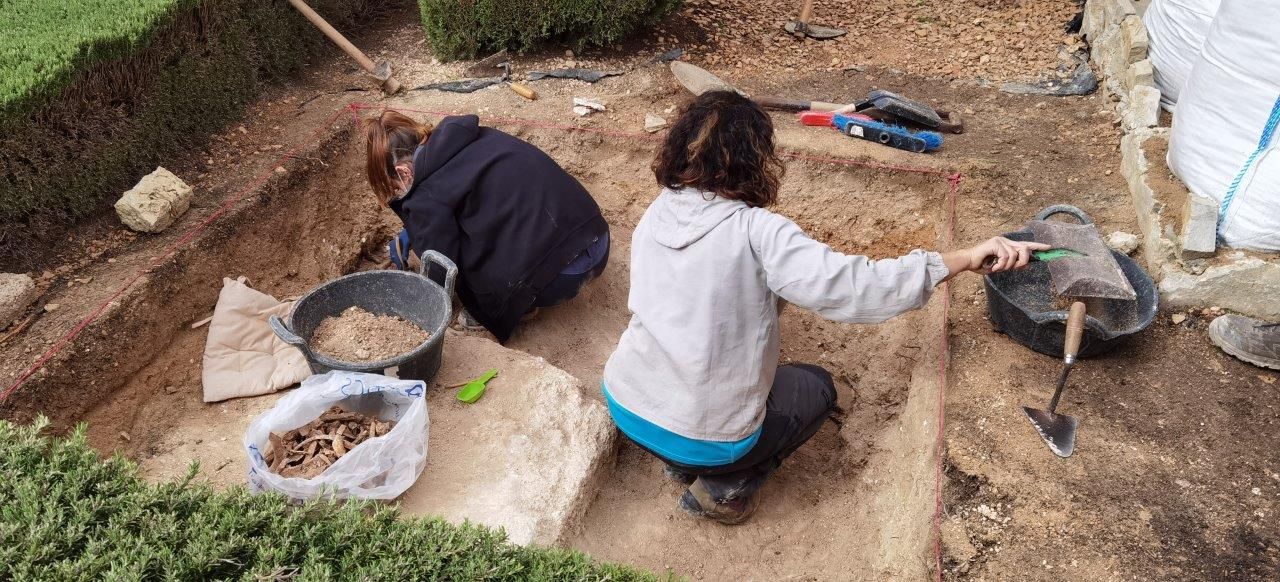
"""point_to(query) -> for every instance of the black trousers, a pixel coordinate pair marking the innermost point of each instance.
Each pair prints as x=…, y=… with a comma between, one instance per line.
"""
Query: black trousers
x=802, y=397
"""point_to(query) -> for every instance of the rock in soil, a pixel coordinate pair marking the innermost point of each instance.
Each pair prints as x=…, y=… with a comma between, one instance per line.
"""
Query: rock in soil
x=17, y=291
x=360, y=336
x=307, y=451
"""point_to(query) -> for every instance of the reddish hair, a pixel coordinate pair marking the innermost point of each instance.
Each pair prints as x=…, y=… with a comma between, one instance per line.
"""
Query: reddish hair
x=391, y=137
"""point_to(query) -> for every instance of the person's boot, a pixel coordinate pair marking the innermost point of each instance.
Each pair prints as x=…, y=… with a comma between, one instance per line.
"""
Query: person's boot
x=698, y=501
x=678, y=476
x=1251, y=340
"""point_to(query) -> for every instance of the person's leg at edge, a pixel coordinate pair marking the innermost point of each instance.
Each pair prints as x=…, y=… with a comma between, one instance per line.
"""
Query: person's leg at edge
x=802, y=397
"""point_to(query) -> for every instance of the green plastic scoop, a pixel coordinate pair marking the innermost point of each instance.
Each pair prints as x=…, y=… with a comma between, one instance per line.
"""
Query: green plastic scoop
x=1054, y=254
x=473, y=390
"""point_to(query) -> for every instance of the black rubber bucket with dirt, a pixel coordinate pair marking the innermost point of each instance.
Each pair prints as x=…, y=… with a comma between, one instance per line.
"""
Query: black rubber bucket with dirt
x=413, y=297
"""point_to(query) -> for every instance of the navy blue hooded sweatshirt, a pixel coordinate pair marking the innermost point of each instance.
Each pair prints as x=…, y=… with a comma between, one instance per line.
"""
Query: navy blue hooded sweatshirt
x=502, y=210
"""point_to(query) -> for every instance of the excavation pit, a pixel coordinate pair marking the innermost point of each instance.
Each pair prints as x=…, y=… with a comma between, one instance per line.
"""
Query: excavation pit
x=858, y=500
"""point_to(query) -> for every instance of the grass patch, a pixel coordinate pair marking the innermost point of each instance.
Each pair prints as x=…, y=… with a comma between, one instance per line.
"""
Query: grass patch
x=65, y=514
x=97, y=93
x=468, y=28
x=46, y=43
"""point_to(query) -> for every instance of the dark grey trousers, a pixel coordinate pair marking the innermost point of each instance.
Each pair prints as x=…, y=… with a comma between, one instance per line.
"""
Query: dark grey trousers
x=802, y=397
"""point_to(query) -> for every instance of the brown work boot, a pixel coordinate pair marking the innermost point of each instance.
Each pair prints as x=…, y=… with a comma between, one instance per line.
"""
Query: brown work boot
x=1248, y=339
x=697, y=501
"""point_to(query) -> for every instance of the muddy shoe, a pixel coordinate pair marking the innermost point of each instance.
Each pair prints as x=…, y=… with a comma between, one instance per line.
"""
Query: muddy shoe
x=468, y=323
x=678, y=476
x=697, y=502
x=1248, y=339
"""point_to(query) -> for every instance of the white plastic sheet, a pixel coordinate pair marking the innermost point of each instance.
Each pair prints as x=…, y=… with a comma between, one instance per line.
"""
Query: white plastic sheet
x=379, y=468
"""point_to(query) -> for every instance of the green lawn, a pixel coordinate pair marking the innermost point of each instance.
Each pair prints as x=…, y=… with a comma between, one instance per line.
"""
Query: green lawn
x=65, y=514
x=46, y=42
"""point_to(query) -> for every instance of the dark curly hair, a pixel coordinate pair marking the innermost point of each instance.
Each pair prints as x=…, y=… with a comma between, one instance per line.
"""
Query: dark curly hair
x=723, y=143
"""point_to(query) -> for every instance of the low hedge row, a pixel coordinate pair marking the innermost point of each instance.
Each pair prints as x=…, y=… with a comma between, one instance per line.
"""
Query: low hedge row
x=470, y=28
x=97, y=93
x=65, y=514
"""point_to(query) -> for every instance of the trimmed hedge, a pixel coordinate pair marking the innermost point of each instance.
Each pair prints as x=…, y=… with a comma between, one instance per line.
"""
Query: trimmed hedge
x=470, y=28
x=67, y=515
x=97, y=93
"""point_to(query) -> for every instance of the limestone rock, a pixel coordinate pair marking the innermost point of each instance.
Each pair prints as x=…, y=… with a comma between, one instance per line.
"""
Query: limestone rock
x=1142, y=109
x=155, y=203
x=527, y=457
x=17, y=291
x=1199, y=227
x=653, y=123
x=1123, y=242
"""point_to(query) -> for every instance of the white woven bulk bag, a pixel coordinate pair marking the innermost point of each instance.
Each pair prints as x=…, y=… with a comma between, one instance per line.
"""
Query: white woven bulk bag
x=1176, y=29
x=1223, y=143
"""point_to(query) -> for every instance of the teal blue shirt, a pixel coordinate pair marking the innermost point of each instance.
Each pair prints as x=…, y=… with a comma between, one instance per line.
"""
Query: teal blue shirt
x=678, y=448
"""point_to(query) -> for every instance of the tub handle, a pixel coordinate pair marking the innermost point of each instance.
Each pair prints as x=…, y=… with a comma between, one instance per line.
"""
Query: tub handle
x=1064, y=209
x=450, y=269
x=287, y=336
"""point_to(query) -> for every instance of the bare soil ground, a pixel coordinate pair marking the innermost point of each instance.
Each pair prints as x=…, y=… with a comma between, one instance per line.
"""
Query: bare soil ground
x=1174, y=476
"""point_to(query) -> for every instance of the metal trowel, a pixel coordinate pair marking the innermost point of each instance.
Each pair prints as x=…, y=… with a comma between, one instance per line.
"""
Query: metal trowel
x=1059, y=430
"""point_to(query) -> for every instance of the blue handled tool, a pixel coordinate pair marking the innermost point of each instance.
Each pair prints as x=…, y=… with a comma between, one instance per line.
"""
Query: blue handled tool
x=862, y=126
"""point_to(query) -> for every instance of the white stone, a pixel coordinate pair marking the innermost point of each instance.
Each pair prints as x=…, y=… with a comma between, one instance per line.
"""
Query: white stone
x=1199, y=234
x=582, y=110
x=590, y=103
x=1139, y=74
x=1123, y=242
x=155, y=203
x=653, y=123
x=1142, y=109
x=527, y=457
x=1135, y=41
x=17, y=291
x=1245, y=285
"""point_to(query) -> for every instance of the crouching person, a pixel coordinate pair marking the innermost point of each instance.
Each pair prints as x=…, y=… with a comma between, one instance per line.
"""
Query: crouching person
x=695, y=378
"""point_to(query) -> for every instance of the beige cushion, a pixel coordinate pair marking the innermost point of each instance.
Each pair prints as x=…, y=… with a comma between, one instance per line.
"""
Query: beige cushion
x=242, y=356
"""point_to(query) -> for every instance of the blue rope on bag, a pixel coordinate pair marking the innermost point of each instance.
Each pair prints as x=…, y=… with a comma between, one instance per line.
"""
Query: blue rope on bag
x=1264, y=142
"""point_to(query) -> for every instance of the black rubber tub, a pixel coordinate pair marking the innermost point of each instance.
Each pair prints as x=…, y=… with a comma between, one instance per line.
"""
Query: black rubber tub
x=410, y=296
x=1022, y=304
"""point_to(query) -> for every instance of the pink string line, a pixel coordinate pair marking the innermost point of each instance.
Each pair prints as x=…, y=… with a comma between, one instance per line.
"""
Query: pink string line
x=173, y=248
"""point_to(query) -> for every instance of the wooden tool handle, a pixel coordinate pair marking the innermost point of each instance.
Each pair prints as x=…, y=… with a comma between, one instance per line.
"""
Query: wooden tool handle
x=806, y=11
x=780, y=103
x=524, y=91
x=1075, y=331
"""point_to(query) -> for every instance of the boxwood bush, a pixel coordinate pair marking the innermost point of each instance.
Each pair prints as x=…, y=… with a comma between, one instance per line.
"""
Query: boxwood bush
x=470, y=28
x=65, y=514
x=94, y=94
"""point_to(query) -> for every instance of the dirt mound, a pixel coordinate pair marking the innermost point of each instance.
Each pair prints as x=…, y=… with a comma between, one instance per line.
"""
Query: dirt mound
x=360, y=336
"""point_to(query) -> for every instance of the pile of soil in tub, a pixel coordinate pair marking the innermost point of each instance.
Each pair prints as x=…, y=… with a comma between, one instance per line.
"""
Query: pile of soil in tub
x=310, y=449
x=359, y=336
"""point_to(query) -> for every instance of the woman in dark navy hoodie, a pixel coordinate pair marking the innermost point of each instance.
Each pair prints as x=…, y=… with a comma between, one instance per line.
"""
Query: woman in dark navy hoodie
x=523, y=232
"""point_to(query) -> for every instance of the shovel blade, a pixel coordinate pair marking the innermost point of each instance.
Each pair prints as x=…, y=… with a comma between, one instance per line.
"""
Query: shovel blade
x=1057, y=430
x=814, y=31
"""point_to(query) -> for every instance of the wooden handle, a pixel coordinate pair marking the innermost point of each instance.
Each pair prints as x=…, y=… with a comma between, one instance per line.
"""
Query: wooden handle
x=524, y=91
x=1075, y=331
x=806, y=11
x=389, y=84
x=824, y=106
x=781, y=103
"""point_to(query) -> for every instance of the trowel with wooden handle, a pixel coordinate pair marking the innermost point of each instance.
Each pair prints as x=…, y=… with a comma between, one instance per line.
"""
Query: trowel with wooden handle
x=1059, y=430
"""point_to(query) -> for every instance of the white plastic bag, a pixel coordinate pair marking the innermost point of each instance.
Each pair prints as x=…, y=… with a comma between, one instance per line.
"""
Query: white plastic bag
x=1224, y=140
x=379, y=468
x=1177, y=29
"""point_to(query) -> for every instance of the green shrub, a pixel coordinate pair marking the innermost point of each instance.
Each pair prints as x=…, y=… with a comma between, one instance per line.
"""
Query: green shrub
x=67, y=515
x=468, y=28
x=92, y=101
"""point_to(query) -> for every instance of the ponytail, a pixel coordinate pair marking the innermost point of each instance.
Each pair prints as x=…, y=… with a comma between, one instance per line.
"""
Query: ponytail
x=391, y=137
